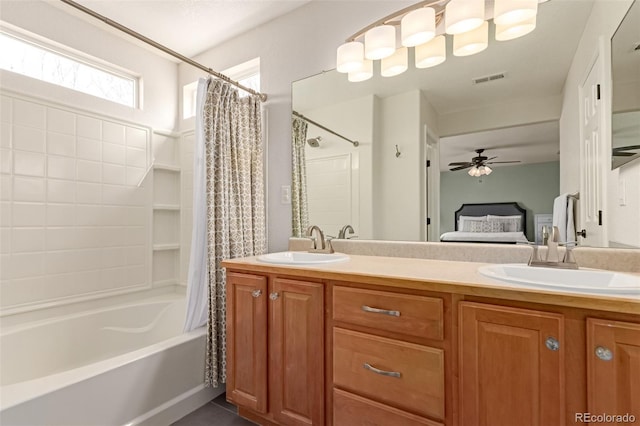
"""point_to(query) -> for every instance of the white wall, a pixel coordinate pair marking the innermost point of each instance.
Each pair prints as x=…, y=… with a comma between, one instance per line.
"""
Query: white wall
x=622, y=221
x=397, y=182
x=290, y=48
x=74, y=223
x=605, y=18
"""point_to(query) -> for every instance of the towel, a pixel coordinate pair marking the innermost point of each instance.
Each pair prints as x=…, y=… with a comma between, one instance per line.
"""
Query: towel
x=571, y=224
x=563, y=218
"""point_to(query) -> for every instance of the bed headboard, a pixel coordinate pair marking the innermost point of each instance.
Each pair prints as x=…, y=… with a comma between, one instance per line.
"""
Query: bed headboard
x=498, y=209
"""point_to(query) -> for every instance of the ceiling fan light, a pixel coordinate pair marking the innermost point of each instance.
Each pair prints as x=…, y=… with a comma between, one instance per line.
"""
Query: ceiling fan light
x=463, y=15
x=487, y=170
x=509, y=32
x=350, y=57
x=395, y=64
x=364, y=73
x=471, y=42
x=380, y=42
x=509, y=12
x=431, y=53
x=418, y=26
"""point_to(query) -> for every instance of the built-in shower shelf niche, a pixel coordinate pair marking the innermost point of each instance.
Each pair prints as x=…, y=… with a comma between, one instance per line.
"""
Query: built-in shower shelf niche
x=166, y=208
x=166, y=227
x=165, y=267
x=175, y=207
x=161, y=247
x=166, y=187
x=167, y=167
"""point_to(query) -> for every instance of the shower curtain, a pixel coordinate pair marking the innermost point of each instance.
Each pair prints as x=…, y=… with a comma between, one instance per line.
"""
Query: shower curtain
x=233, y=205
x=299, y=206
x=197, y=280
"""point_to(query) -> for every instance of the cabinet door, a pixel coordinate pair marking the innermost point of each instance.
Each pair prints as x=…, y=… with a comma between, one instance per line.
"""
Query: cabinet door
x=296, y=348
x=613, y=365
x=247, y=341
x=511, y=369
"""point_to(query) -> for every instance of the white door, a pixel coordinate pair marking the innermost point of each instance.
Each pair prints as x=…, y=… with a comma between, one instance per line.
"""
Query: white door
x=432, y=207
x=592, y=159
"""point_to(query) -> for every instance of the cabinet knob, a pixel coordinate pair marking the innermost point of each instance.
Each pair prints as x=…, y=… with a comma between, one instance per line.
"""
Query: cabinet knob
x=274, y=296
x=256, y=293
x=603, y=353
x=552, y=344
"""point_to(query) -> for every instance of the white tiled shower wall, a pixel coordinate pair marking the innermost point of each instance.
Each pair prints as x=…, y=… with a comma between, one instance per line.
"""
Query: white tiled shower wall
x=74, y=222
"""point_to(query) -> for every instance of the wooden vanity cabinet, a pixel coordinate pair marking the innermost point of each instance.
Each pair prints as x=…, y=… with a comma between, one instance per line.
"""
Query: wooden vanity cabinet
x=613, y=368
x=317, y=351
x=511, y=366
x=275, y=355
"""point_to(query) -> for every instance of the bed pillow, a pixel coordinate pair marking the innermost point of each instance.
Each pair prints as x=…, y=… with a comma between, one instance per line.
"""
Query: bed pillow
x=464, y=222
x=486, y=226
x=511, y=223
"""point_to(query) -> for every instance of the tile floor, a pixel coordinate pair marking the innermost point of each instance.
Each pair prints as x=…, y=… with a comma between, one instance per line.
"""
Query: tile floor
x=218, y=412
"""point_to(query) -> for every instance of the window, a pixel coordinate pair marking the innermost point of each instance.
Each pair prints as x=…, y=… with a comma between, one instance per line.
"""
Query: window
x=45, y=63
x=247, y=74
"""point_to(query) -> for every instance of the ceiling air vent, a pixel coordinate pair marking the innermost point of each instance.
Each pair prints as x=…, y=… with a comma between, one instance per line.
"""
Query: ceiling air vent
x=489, y=78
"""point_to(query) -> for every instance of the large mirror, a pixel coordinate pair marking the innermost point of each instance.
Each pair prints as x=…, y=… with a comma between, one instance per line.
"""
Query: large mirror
x=502, y=106
x=625, y=68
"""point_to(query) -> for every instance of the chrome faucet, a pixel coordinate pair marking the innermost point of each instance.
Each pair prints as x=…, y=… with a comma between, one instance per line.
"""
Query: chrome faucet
x=343, y=232
x=552, y=259
x=325, y=244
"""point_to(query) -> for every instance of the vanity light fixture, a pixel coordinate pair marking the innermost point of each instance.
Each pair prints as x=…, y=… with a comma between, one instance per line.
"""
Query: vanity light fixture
x=424, y=26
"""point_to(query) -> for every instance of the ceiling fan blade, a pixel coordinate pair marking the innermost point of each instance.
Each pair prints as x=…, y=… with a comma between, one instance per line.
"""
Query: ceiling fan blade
x=490, y=158
x=622, y=154
x=461, y=167
x=459, y=163
x=503, y=162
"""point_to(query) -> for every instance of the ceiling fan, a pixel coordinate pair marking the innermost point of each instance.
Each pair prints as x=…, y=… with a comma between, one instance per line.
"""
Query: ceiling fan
x=478, y=161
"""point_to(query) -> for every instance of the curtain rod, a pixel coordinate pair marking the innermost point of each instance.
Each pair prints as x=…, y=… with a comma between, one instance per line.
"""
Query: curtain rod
x=159, y=46
x=297, y=114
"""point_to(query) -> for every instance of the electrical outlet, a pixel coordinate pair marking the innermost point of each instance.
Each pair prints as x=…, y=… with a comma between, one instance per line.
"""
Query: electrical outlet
x=285, y=194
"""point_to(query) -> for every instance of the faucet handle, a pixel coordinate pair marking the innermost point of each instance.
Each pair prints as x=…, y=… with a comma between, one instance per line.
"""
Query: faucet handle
x=534, y=253
x=568, y=253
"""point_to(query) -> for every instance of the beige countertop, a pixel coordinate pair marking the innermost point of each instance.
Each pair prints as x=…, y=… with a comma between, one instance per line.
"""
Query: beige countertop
x=437, y=275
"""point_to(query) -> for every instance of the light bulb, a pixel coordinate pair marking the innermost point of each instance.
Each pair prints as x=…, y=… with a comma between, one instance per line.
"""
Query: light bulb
x=350, y=57
x=509, y=32
x=431, y=53
x=509, y=12
x=487, y=170
x=380, y=42
x=364, y=73
x=395, y=64
x=418, y=26
x=463, y=15
x=471, y=42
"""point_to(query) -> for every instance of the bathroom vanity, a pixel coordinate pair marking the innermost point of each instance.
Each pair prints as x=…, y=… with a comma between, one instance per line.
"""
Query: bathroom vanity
x=397, y=341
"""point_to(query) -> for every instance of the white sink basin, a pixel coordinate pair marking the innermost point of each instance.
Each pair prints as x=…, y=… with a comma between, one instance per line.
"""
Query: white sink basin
x=302, y=258
x=581, y=280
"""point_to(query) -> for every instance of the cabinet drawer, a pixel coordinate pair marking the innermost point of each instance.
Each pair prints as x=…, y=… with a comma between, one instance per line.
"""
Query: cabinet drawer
x=419, y=316
x=401, y=374
x=354, y=410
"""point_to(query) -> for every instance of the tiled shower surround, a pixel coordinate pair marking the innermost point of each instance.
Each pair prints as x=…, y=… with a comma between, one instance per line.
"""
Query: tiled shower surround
x=75, y=220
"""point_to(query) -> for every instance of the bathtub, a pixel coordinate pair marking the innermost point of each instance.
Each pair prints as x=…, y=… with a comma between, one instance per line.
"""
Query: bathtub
x=118, y=365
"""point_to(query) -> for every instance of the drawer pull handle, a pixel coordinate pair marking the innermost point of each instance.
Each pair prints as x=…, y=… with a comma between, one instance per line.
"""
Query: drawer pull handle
x=380, y=311
x=381, y=372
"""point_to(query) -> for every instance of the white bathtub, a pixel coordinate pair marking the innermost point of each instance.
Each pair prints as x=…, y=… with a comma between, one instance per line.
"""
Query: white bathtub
x=124, y=365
